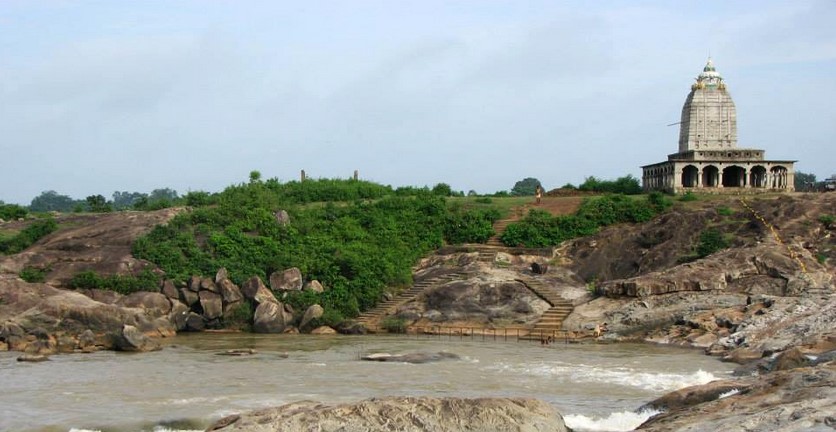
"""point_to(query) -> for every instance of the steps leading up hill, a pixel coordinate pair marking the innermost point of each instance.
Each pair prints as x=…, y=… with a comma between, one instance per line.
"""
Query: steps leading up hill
x=551, y=321
x=371, y=317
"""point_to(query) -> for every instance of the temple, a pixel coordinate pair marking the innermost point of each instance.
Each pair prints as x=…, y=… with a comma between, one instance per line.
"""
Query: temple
x=709, y=160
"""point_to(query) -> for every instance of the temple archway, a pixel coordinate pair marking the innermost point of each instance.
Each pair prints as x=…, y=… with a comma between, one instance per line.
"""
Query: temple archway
x=690, y=176
x=778, y=177
x=734, y=176
x=710, y=176
x=757, y=177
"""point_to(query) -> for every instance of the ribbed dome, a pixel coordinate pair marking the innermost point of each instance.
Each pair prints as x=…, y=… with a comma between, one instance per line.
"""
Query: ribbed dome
x=709, y=77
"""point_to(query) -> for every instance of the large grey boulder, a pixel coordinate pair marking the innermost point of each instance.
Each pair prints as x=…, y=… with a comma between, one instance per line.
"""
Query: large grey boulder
x=188, y=296
x=271, y=317
x=313, y=312
x=288, y=280
x=221, y=275
x=207, y=284
x=255, y=290
x=212, y=304
x=155, y=304
x=169, y=290
x=229, y=291
x=314, y=286
x=131, y=339
x=403, y=414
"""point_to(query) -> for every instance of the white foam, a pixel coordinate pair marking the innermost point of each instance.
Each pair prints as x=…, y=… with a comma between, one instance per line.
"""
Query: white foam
x=651, y=381
x=731, y=392
x=615, y=422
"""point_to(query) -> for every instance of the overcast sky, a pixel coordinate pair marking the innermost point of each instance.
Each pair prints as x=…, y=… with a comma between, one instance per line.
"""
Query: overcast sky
x=100, y=96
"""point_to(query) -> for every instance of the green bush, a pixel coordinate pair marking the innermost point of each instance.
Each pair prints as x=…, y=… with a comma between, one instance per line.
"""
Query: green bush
x=474, y=226
x=122, y=284
x=239, y=317
x=393, y=325
x=627, y=185
x=827, y=220
x=540, y=229
x=33, y=274
x=711, y=240
x=688, y=196
x=724, y=211
x=27, y=236
x=12, y=212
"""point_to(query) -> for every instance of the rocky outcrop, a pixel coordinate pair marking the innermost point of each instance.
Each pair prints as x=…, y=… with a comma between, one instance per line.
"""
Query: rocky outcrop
x=271, y=317
x=405, y=414
x=255, y=290
x=415, y=358
x=800, y=399
x=129, y=338
x=287, y=280
x=313, y=312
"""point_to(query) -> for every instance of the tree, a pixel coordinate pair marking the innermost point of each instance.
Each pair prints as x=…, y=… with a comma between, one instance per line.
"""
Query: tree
x=255, y=176
x=526, y=186
x=124, y=200
x=98, y=204
x=51, y=201
x=804, y=181
x=163, y=194
x=442, y=189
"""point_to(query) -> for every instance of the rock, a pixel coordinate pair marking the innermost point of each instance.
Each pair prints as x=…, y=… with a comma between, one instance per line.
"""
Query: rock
x=270, y=317
x=188, y=296
x=102, y=296
x=237, y=352
x=155, y=304
x=178, y=315
x=405, y=414
x=206, y=284
x=282, y=217
x=349, y=327
x=313, y=312
x=131, y=339
x=212, y=304
x=790, y=359
x=33, y=358
x=323, y=330
x=221, y=275
x=169, y=290
x=86, y=339
x=195, y=322
x=539, y=268
x=411, y=357
x=229, y=291
x=255, y=290
x=291, y=330
x=194, y=283
x=288, y=280
x=694, y=395
x=314, y=286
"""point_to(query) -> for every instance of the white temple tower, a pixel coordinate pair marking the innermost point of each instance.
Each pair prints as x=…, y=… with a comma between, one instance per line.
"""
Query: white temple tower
x=708, y=159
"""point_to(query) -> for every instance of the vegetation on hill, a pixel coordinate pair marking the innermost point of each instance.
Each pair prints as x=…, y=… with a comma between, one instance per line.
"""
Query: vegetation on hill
x=12, y=244
x=355, y=237
x=540, y=229
x=627, y=185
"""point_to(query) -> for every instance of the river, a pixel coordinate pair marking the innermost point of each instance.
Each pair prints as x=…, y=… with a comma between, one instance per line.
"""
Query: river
x=186, y=385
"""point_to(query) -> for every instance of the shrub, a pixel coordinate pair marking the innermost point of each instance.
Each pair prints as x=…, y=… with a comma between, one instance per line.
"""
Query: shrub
x=122, y=284
x=627, y=185
x=27, y=236
x=827, y=220
x=688, y=196
x=711, y=240
x=393, y=324
x=33, y=274
x=239, y=317
x=724, y=211
x=12, y=212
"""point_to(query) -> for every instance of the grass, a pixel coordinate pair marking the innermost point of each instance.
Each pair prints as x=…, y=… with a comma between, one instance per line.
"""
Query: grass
x=503, y=204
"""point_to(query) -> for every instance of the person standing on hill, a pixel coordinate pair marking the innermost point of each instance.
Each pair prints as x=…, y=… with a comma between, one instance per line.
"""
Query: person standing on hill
x=538, y=194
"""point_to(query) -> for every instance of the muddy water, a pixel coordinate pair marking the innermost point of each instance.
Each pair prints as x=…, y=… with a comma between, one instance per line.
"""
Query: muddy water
x=186, y=385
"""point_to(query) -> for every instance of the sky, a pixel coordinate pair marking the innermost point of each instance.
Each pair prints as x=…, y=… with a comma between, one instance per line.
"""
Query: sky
x=104, y=96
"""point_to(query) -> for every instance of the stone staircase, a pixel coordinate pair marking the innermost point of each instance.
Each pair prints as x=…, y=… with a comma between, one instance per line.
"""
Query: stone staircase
x=372, y=316
x=551, y=322
x=499, y=228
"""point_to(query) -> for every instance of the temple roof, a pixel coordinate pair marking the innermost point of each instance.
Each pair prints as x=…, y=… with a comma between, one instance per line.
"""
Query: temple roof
x=709, y=77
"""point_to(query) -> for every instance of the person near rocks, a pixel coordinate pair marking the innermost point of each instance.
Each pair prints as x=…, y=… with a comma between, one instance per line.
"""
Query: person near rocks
x=600, y=329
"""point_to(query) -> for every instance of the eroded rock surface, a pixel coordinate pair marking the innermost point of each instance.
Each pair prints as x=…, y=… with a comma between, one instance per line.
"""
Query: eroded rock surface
x=405, y=414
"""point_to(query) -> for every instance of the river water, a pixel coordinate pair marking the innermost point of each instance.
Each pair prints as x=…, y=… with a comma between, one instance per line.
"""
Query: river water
x=186, y=385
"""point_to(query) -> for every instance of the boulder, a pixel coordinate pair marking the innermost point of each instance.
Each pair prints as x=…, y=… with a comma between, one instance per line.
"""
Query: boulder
x=314, y=286
x=414, y=358
x=206, y=284
x=402, y=414
x=169, y=290
x=179, y=315
x=131, y=339
x=195, y=322
x=102, y=296
x=255, y=290
x=188, y=296
x=539, y=268
x=270, y=317
x=155, y=304
x=282, y=218
x=288, y=280
x=323, y=330
x=229, y=291
x=33, y=358
x=222, y=274
x=790, y=359
x=313, y=312
x=212, y=304
x=194, y=283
